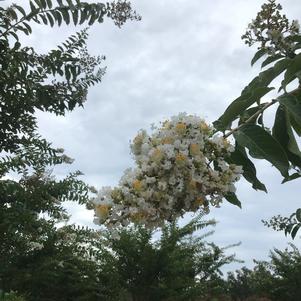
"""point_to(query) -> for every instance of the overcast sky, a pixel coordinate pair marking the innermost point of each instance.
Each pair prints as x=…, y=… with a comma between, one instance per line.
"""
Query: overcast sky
x=184, y=56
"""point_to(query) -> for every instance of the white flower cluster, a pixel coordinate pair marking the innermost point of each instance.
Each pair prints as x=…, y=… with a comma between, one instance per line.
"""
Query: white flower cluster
x=181, y=168
x=276, y=38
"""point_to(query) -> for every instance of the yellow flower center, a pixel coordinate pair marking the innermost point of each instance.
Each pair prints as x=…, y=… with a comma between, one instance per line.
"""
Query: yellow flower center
x=181, y=128
x=157, y=155
x=194, y=149
x=226, y=142
x=199, y=201
x=167, y=140
x=204, y=126
x=138, y=216
x=137, y=185
x=180, y=158
x=102, y=211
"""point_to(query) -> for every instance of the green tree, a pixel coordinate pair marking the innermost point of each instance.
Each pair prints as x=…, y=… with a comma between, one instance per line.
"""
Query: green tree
x=277, y=279
x=178, y=266
x=31, y=201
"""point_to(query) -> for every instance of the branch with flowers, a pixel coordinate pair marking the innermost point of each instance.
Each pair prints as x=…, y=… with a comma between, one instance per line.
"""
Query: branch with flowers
x=187, y=165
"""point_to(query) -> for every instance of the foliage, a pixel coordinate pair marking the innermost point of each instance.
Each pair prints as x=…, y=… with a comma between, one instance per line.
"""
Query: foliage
x=12, y=296
x=290, y=225
x=62, y=268
x=178, y=266
x=31, y=202
x=278, y=145
x=280, y=43
x=277, y=279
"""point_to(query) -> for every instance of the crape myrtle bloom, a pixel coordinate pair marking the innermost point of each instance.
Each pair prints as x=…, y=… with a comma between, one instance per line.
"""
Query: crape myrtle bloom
x=180, y=167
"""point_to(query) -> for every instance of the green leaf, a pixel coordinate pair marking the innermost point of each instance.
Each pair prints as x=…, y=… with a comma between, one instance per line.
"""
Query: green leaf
x=70, y=4
x=248, y=113
x=295, y=38
x=58, y=17
x=271, y=59
x=27, y=27
x=44, y=19
x=232, y=198
x=84, y=15
x=49, y=3
x=33, y=8
x=65, y=14
x=295, y=125
x=239, y=105
x=267, y=76
x=292, y=71
x=20, y=9
x=260, y=53
x=44, y=4
x=93, y=18
x=252, y=93
x=239, y=157
x=50, y=19
x=263, y=146
x=75, y=16
x=38, y=3
x=295, y=230
x=298, y=215
x=283, y=133
x=293, y=105
x=67, y=73
x=292, y=177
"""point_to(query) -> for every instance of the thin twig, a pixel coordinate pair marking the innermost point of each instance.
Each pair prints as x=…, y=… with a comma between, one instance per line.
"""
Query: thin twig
x=267, y=105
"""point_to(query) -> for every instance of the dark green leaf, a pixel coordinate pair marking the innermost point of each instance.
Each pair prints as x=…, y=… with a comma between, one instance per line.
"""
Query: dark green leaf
x=44, y=19
x=295, y=230
x=239, y=157
x=267, y=76
x=84, y=15
x=271, y=59
x=38, y=3
x=49, y=3
x=50, y=19
x=298, y=215
x=291, y=177
x=295, y=38
x=27, y=27
x=262, y=145
x=58, y=17
x=248, y=113
x=239, y=105
x=293, y=105
x=75, y=16
x=293, y=69
x=70, y=4
x=283, y=133
x=232, y=198
x=20, y=9
x=65, y=14
x=260, y=53
x=33, y=8
x=44, y=4
x=295, y=125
